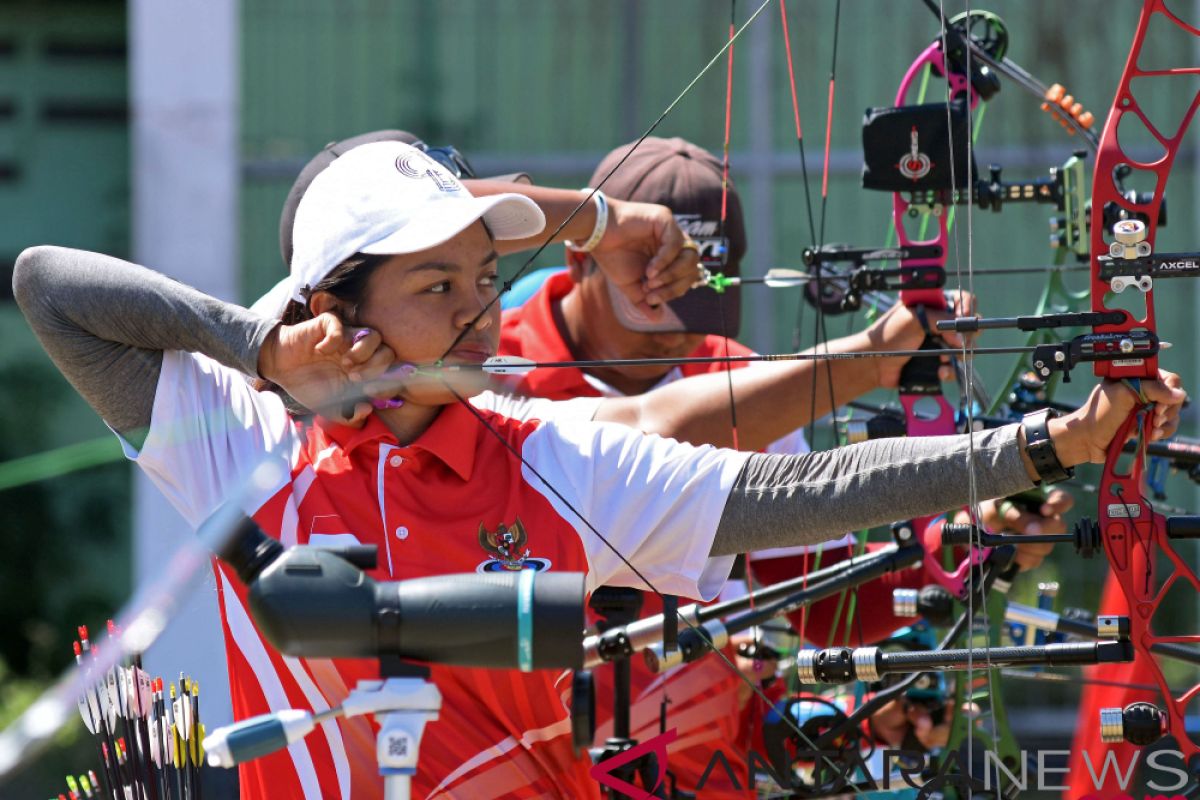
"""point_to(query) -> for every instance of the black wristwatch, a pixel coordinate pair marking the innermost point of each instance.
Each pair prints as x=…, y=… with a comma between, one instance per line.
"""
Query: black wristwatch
x=1040, y=447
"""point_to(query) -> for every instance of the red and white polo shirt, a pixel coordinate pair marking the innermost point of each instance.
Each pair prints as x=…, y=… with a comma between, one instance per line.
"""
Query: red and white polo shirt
x=500, y=733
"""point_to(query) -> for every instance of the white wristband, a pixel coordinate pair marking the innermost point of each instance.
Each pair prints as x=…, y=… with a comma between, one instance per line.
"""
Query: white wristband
x=601, y=225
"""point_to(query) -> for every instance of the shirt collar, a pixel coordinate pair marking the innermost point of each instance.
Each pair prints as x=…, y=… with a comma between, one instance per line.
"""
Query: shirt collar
x=452, y=438
x=348, y=438
x=607, y=390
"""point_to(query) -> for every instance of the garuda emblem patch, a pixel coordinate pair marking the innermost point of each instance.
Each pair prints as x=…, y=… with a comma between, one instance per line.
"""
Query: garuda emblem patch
x=506, y=549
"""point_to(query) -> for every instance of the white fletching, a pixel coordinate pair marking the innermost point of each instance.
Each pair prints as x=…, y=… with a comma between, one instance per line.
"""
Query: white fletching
x=145, y=693
x=785, y=278
x=85, y=711
x=155, y=748
x=509, y=365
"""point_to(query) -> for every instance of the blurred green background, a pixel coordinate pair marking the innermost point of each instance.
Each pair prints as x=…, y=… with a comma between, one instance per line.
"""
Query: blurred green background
x=544, y=86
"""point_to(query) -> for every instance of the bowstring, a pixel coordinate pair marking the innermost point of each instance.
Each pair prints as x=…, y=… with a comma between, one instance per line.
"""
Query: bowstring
x=665, y=699
x=821, y=340
x=820, y=333
x=507, y=286
x=733, y=421
x=967, y=388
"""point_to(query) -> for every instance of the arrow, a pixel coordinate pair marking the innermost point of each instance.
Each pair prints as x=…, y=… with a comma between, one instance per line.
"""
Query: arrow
x=788, y=278
x=516, y=365
x=774, y=279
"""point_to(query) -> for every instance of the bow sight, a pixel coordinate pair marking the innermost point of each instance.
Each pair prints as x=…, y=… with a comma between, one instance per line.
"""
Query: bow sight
x=845, y=275
x=1064, y=356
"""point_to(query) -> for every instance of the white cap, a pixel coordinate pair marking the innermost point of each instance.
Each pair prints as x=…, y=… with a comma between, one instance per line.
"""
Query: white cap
x=387, y=198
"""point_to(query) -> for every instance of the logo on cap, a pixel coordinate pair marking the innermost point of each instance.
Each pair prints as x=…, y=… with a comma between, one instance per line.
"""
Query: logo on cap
x=416, y=164
x=713, y=249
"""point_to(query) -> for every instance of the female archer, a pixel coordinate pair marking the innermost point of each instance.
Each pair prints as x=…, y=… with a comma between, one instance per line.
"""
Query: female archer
x=395, y=265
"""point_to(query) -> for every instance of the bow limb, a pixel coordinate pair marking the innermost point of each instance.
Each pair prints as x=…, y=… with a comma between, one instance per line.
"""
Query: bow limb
x=1136, y=538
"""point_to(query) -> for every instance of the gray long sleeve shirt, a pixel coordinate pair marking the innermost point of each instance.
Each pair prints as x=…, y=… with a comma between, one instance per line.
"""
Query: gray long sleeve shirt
x=106, y=322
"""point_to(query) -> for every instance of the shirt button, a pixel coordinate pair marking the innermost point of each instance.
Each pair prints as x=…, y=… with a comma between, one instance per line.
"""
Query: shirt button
x=395, y=461
x=402, y=532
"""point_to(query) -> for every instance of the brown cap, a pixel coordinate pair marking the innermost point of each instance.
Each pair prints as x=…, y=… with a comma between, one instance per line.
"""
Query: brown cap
x=687, y=179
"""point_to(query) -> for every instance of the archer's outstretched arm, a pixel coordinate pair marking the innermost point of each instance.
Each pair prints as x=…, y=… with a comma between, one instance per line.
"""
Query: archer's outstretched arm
x=779, y=500
x=773, y=399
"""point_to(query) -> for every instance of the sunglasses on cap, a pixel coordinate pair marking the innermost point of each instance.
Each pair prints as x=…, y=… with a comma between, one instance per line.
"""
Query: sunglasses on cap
x=449, y=157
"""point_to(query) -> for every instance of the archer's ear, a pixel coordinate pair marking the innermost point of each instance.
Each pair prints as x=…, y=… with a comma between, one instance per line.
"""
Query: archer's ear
x=322, y=302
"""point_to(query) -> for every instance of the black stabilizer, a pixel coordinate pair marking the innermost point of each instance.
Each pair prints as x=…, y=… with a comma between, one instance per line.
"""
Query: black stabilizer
x=1143, y=723
x=1183, y=527
x=834, y=665
x=959, y=533
x=1180, y=451
x=936, y=604
x=693, y=643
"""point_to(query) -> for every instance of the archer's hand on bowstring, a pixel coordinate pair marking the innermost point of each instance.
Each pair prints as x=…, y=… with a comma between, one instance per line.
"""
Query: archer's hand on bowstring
x=314, y=360
x=332, y=368
x=645, y=254
x=1007, y=516
x=902, y=328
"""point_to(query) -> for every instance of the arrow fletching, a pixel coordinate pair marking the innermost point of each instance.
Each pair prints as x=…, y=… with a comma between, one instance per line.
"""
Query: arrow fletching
x=509, y=365
x=786, y=278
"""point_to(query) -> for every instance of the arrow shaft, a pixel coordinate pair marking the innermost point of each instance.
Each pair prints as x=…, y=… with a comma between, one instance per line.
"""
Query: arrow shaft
x=500, y=368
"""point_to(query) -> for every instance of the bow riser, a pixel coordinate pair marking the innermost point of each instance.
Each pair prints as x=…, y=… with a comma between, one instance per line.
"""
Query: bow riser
x=929, y=297
x=1105, y=190
x=1134, y=535
x=928, y=412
